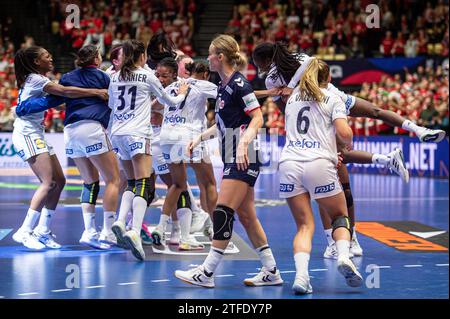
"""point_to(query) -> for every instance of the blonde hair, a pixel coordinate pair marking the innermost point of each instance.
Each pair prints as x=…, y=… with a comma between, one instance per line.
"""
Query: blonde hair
x=228, y=46
x=315, y=74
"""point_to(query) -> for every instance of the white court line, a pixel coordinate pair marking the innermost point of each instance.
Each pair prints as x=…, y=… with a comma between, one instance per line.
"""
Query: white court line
x=61, y=290
x=412, y=266
x=1, y=297
x=287, y=271
x=95, y=287
x=161, y=280
x=218, y=276
x=28, y=294
x=382, y=267
x=127, y=283
x=252, y=273
x=400, y=199
x=442, y=265
x=319, y=270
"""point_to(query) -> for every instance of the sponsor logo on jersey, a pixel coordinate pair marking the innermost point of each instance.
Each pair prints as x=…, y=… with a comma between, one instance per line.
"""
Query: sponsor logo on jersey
x=124, y=116
x=69, y=151
x=21, y=153
x=227, y=171
x=286, y=188
x=325, y=188
x=239, y=82
x=136, y=146
x=229, y=90
x=252, y=172
x=175, y=119
x=93, y=148
x=40, y=143
x=348, y=102
x=163, y=167
x=166, y=156
x=304, y=144
x=250, y=101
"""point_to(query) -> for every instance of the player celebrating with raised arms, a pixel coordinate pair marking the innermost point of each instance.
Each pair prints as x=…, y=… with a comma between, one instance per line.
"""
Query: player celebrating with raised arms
x=315, y=116
x=130, y=99
x=238, y=118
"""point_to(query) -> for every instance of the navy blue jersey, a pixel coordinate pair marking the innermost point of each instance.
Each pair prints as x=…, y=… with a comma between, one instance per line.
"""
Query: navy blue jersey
x=87, y=108
x=234, y=102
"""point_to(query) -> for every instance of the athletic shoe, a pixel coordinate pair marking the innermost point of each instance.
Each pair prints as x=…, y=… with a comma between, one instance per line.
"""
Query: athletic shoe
x=355, y=248
x=331, y=252
x=397, y=164
x=90, y=237
x=47, y=238
x=199, y=218
x=302, y=285
x=146, y=236
x=196, y=276
x=118, y=228
x=28, y=239
x=134, y=242
x=190, y=244
x=349, y=271
x=175, y=235
x=230, y=248
x=265, y=278
x=427, y=135
x=107, y=238
x=159, y=236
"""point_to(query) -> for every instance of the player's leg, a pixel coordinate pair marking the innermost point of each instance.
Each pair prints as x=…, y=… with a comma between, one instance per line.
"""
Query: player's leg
x=363, y=108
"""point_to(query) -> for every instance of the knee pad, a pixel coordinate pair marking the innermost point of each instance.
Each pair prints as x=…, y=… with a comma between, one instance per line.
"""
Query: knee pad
x=348, y=194
x=223, y=219
x=142, y=189
x=184, y=201
x=89, y=193
x=342, y=221
x=131, y=184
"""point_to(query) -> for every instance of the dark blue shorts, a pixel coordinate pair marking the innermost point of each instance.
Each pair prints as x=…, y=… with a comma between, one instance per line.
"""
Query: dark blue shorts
x=249, y=176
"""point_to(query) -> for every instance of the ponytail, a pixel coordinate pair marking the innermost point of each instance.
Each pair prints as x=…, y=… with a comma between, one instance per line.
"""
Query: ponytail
x=24, y=64
x=132, y=51
x=228, y=46
x=315, y=74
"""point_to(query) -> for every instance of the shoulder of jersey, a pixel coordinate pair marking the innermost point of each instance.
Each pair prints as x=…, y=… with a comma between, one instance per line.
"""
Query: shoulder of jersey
x=35, y=76
x=240, y=80
x=300, y=57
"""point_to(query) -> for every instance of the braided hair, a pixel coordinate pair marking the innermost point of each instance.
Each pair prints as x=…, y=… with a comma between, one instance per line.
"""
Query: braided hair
x=24, y=64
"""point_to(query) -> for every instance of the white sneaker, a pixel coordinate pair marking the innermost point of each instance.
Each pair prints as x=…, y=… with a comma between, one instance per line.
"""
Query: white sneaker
x=28, y=239
x=397, y=164
x=231, y=248
x=302, y=285
x=198, y=220
x=427, y=135
x=159, y=236
x=355, y=248
x=133, y=240
x=175, y=235
x=190, y=244
x=196, y=276
x=349, y=271
x=118, y=229
x=90, y=237
x=107, y=238
x=47, y=238
x=265, y=278
x=331, y=252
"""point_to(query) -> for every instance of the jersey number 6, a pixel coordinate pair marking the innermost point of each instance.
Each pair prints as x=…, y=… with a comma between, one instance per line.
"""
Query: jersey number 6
x=303, y=119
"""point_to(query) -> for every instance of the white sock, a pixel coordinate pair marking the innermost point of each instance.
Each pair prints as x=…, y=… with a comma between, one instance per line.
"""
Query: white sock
x=108, y=220
x=88, y=216
x=194, y=206
x=411, y=127
x=45, y=219
x=163, y=221
x=30, y=220
x=266, y=256
x=380, y=159
x=343, y=248
x=175, y=225
x=185, y=219
x=213, y=259
x=126, y=205
x=301, y=264
x=329, y=236
x=139, y=209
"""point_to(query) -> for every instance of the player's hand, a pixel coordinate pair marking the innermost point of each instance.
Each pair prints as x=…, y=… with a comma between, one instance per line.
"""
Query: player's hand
x=242, y=157
x=286, y=92
x=193, y=144
x=274, y=92
x=340, y=160
x=184, y=86
x=103, y=94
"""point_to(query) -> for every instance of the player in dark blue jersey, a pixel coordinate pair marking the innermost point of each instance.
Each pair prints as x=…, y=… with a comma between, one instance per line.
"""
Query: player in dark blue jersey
x=87, y=143
x=238, y=118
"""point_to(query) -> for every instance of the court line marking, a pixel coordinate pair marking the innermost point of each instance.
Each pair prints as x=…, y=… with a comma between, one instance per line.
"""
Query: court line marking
x=412, y=266
x=382, y=267
x=287, y=271
x=127, y=283
x=95, y=287
x=161, y=280
x=323, y=269
x=28, y=294
x=252, y=273
x=1, y=297
x=401, y=199
x=218, y=276
x=442, y=265
x=61, y=290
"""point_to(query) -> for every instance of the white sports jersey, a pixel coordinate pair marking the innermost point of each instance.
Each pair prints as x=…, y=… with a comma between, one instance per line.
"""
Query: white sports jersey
x=33, y=88
x=187, y=119
x=130, y=102
x=310, y=133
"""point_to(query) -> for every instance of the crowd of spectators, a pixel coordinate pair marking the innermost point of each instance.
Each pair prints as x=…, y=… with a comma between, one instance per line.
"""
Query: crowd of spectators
x=109, y=22
x=338, y=29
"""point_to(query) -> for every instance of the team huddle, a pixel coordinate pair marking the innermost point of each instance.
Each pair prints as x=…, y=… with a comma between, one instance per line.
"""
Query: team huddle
x=145, y=117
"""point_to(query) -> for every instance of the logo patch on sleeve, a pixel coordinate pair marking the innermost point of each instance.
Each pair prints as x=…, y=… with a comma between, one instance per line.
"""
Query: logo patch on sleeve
x=250, y=101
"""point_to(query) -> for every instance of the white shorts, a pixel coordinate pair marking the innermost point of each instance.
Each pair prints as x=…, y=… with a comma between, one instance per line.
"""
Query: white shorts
x=318, y=177
x=127, y=146
x=159, y=164
x=85, y=139
x=175, y=152
x=30, y=145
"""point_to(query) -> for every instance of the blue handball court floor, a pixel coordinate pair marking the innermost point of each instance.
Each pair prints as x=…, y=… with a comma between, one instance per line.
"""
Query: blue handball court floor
x=403, y=229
